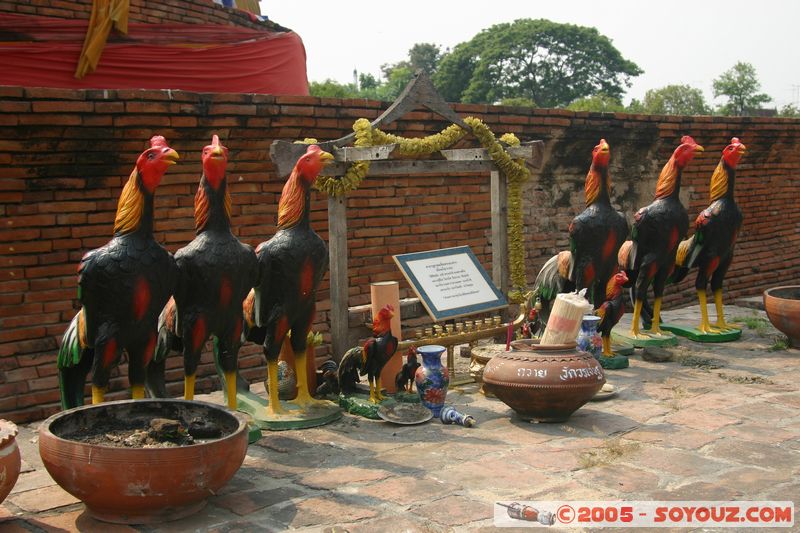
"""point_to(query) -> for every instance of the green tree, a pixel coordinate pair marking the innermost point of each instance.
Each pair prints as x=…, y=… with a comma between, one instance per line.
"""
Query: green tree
x=424, y=56
x=740, y=86
x=421, y=56
x=548, y=63
x=676, y=100
x=789, y=111
x=367, y=82
x=636, y=106
x=519, y=102
x=601, y=103
x=397, y=78
x=332, y=89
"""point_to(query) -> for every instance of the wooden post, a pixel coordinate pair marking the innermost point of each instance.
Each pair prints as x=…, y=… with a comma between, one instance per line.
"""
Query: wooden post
x=499, y=207
x=337, y=249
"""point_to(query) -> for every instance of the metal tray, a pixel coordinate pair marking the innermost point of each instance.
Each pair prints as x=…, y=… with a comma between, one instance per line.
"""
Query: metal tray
x=405, y=413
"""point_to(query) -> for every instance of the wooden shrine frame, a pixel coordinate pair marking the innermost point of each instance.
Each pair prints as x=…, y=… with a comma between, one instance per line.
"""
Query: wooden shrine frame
x=418, y=93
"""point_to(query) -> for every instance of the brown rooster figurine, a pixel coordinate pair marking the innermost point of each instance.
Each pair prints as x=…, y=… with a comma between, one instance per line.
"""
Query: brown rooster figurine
x=215, y=273
x=611, y=310
x=710, y=249
x=371, y=358
x=122, y=287
x=649, y=257
x=291, y=264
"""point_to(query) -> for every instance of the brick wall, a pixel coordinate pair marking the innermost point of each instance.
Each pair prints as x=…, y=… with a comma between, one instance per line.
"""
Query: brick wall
x=145, y=11
x=65, y=155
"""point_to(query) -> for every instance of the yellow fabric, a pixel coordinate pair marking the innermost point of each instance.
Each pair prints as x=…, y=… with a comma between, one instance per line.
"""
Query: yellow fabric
x=105, y=13
x=249, y=5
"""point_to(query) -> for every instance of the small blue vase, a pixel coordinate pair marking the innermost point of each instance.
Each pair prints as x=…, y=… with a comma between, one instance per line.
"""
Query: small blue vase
x=432, y=378
x=589, y=339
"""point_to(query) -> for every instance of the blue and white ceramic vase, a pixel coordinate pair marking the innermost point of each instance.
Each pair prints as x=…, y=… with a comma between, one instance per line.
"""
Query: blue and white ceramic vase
x=449, y=415
x=589, y=339
x=432, y=378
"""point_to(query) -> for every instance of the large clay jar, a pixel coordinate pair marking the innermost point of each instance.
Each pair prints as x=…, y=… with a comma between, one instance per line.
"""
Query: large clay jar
x=9, y=458
x=543, y=383
x=432, y=378
x=783, y=309
x=142, y=485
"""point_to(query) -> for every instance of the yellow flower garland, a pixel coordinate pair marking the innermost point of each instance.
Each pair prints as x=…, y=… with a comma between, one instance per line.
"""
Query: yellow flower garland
x=516, y=172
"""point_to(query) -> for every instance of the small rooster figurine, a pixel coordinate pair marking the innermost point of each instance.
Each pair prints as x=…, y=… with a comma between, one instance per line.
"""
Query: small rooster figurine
x=371, y=358
x=291, y=265
x=649, y=257
x=122, y=288
x=597, y=233
x=215, y=273
x=611, y=310
x=405, y=378
x=710, y=249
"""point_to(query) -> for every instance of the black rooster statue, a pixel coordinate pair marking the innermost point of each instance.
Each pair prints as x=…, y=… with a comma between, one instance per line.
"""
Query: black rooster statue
x=291, y=264
x=215, y=274
x=122, y=287
x=596, y=234
x=370, y=359
x=710, y=249
x=404, y=380
x=649, y=257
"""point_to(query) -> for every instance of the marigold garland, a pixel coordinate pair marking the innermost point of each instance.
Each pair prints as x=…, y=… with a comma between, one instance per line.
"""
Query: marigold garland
x=515, y=170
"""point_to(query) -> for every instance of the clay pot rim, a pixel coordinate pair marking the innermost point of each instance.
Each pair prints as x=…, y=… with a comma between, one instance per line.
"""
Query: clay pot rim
x=770, y=292
x=44, y=428
x=532, y=345
x=8, y=431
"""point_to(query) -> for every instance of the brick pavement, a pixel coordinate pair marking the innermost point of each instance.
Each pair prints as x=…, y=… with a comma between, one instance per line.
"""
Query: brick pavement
x=724, y=427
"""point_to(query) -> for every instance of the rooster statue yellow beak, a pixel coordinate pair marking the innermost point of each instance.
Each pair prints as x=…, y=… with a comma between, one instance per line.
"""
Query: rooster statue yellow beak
x=326, y=158
x=171, y=157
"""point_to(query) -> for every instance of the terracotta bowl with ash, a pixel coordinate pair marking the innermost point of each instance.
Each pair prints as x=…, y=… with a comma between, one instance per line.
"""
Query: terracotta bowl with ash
x=143, y=461
x=783, y=309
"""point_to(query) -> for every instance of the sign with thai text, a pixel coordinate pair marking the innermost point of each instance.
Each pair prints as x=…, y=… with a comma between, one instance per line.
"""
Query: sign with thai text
x=450, y=282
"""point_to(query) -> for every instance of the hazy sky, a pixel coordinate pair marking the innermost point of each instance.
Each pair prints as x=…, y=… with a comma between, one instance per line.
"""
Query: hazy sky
x=674, y=42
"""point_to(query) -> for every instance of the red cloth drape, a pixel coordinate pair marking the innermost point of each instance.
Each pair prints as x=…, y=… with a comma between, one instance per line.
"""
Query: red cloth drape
x=43, y=52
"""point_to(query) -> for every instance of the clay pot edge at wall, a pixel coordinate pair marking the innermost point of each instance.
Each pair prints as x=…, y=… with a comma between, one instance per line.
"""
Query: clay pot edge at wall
x=782, y=305
x=10, y=459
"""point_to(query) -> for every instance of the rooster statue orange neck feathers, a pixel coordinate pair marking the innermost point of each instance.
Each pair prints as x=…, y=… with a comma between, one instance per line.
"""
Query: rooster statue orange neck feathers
x=598, y=181
x=669, y=181
x=135, y=206
x=614, y=286
x=383, y=322
x=724, y=176
x=212, y=202
x=296, y=196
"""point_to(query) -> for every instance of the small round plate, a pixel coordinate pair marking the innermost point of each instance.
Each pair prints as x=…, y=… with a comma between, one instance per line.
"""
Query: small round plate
x=606, y=393
x=405, y=413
